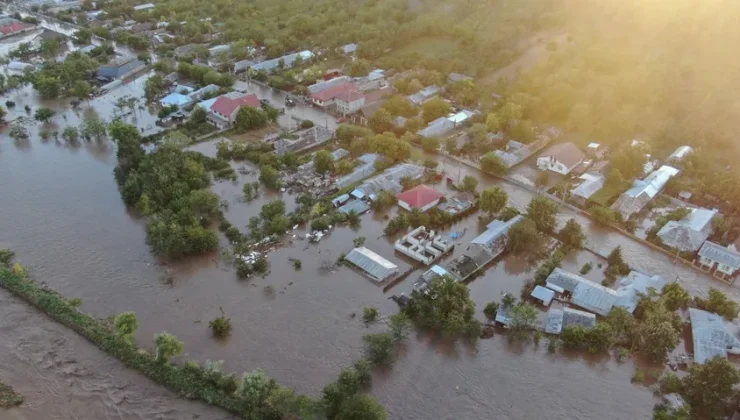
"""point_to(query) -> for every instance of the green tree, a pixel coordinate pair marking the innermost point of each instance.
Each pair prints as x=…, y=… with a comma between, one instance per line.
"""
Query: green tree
x=80, y=89
x=82, y=36
x=3, y=113
x=446, y=307
x=430, y=163
x=522, y=236
x=126, y=325
x=623, y=325
x=490, y=310
x=359, y=68
x=361, y=407
x=493, y=123
x=434, y=108
x=220, y=326
x=167, y=346
x=272, y=209
x=93, y=126
x=154, y=87
x=523, y=317
x=358, y=241
x=400, y=106
x=44, y=114
x=378, y=347
x=370, y=314
x=603, y=215
x=323, y=161
x=469, y=183
x=381, y=121
x=718, y=303
x=542, y=211
x=270, y=177
x=616, y=264
x=255, y=388
x=572, y=235
x=430, y=144
x=400, y=326
x=249, y=118
x=491, y=163
x=493, y=199
x=709, y=386
x=675, y=296
x=70, y=135
x=199, y=115
x=48, y=87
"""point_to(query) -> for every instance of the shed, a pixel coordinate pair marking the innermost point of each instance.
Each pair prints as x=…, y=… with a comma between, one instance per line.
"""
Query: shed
x=176, y=99
x=544, y=295
x=357, y=206
x=420, y=197
x=340, y=200
x=376, y=267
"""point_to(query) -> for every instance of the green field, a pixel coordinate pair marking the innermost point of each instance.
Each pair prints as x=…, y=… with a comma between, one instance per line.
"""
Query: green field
x=605, y=195
x=427, y=47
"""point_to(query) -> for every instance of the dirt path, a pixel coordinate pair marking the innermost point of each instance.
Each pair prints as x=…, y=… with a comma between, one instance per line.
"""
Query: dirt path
x=62, y=376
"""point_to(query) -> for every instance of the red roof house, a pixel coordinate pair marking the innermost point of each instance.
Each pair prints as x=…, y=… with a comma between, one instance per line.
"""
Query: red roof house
x=226, y=107
x=420, y=197
x=326, y=97
x=15, y=27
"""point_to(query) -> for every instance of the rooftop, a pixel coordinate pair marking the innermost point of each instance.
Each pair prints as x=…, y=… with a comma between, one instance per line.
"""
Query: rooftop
x=711, y=337
x=592, y=182
x=377, y=267
x=420, y=196
x=326, y=84
x=144, y=6
x=495, y=230
x=543, y=294
x=176, y=99
x=635, y=285
x=557, y=319
x=680, y=153
x=349, y=48
x=720, y=254
x=689, y=233
x=567, y=153
x=334, y=91
x=230, y=102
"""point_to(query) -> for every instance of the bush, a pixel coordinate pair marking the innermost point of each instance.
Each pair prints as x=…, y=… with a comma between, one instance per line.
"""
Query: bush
x=586, y=268
x=370, y=314
x=126, y=324
x=167, y=346
x=297, y=264
x=220, y=326
x=718, y=303
x=320, y=223
x=400, y=326
x=378, y=347
x=8, y=397
x=490, y=310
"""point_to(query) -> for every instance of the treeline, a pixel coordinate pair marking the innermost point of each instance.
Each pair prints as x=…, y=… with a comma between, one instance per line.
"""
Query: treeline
x=170, y=187
x=253, y=395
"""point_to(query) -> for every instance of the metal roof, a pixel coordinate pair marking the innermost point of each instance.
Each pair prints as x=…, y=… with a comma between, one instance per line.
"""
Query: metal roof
x=358, y=206
x=635, y=285
x=359, y=173
x=176, y=99
x=557, y=319
x=288, y=61
x=642, y=191
x=377, y=267
x=326, y=84
x=720, y=254
x=495, y=230
x=349, y=48
x=390, y=179
x=591, y=183
x=585, y=293
x=503, y=316
x=554, y=323
x=543, y=294
x=711, y=337
x=681, y=153
x=689, y=233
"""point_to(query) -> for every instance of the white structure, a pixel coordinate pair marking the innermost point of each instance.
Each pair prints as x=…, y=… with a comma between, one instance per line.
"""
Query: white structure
x=561, y=158
x=643, y=191
x=680, y=153
x=141, y=7
x=597, y=298
x=724, y=261
x=373, y=265
x=444, y=125
x=349, y=102
x=592, y=182
x=689, y=233
x=424, y=95
x=423, y=246
x=711, y=337
x=543, y=294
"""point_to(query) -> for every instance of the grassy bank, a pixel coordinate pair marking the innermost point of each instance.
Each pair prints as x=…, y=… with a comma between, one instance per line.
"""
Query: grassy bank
x=188, y=382
x=8, y=397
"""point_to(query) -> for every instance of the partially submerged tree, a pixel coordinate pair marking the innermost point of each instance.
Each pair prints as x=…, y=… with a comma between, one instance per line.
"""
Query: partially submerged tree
x=167, y=346
x=542, y=211
x=126, y=325
x=493, y=199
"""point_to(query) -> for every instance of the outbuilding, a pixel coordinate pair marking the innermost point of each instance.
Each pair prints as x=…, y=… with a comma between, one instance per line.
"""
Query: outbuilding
x=420, y=197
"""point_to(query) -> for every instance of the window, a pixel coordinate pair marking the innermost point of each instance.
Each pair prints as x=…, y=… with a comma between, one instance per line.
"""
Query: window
x=725, y=269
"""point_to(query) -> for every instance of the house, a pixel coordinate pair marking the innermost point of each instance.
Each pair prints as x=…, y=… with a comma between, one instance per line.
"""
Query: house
x=643, y=191
x=349, y=102
x=424, y=95
x=219, y=49
x=50, y=35
x=420, y=197
x=185, y=50
x=120, y=68
x=362, y=171
x=142, y=7
x=371, y=264
x=326, y=84
x=592, y=182
x=326, y=97
x=374, y=80
x=349, y=49
x=374, y=100
x=438, y=127
x=561, y=158
x=242, y=66
x=711, y=337
x=724, y=261
x=680, y=154
x=557, y=319
x=543, y=295
x=176, y=99
x=426, y=278
x=457, y=203
x=389, y=180
x=457, y=77
x=287, y=61
x=226, y=107
x=10, y=27
x=689, y=233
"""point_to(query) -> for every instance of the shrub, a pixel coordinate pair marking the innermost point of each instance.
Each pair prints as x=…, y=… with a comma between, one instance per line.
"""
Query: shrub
x=378, y=347
x=167, y=346
x=370, y=314
x=126, y=324
x=8, y=397
x=400, y=326
x=220, y=326
x=490, y=310
x=297, y=264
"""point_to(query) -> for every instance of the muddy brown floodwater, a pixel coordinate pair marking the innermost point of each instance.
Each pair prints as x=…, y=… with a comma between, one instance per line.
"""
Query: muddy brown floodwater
x=61, y=212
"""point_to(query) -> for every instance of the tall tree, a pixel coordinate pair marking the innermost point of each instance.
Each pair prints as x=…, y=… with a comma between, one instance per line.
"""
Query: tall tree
x=493, y=199
x=542, y=211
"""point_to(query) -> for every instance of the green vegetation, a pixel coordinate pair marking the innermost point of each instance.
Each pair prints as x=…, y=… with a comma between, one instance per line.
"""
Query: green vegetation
x=586, y=268
x=126, y=325
x=8, y=397
x=542, y=211
x=358, y=241
x=385, y=200
x=616, y=264
x=221, y=326
x=493, y=199
x=718, y=303
x=323, y=162
x=44, y=114
x=446, y=307
x=400, y=326
x=179, y=206
x=370, y=314
x=490, y=310
x=59, y=78
x=604, y=215
x=379, y=347
x=469, y=184
x=523, y=236
x=571, y=235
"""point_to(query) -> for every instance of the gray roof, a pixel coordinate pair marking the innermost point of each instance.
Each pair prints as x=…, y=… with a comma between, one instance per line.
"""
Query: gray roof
x=585, y=293
x=557, y=319
x=456, y=77
x=119, y=67
x=674, y=401
x=711, y=337
x=358, y=206
x=326, y=84
x=377, y=267
x=390, y=179
x=566, y=153
x=720, y=254
x=438, y=127
x=543, y=294
x=635, y=285
x=288, y=60
x=503, y=316
x=144, y=6
x=421, y=96
x=642, y=191
x=591, y=183
x=690, y=232
x=495, y=230
x=349, y=48
x=359, y=173
x=681, y=153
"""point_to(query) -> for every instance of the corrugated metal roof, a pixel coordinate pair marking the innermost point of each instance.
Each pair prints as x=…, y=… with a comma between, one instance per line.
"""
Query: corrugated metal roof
x=635, y=285
x=359, y=173
x=585, y=294
x=681, y=153
x=495, y=230
x=576, y=317
x=554, y=323
x=358, y=206
x=720, y=254
x=689, y=233
x=390, y=179
x=543, y=294
x=591, y=183
x=711, y=337
x=377, y=267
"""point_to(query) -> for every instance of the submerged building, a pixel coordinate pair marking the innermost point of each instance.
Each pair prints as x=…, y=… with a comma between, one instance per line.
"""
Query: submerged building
x=710, y=336
x=422, y=245
x=375, y=267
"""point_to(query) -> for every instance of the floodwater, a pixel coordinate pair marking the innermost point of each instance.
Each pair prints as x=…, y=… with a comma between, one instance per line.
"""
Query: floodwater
x=62, y=214
x=62, y=376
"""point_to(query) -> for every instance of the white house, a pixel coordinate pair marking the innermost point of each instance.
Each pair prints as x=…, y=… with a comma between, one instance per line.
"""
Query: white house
x=724, y=261
x=561, y=158
x=349, y=101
